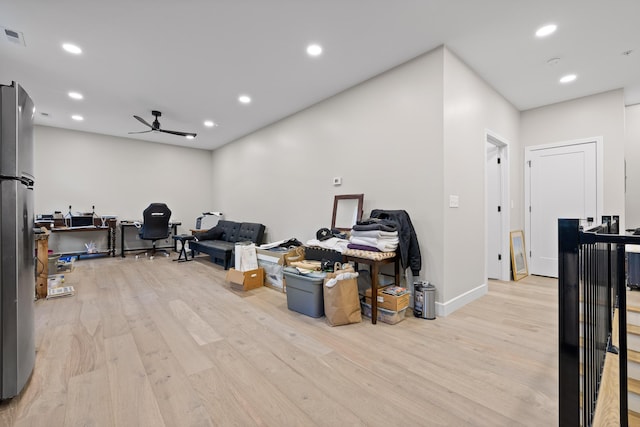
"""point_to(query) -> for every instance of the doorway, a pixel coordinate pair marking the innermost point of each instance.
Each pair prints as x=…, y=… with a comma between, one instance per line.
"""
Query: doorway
x=562, y=180
x=497, y=207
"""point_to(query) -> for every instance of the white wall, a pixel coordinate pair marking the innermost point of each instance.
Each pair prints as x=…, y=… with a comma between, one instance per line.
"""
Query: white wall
x=119, y=176
x=597, y=115
x=383, y=137
x=471, y=107
x=632, y=157
x=400, y=138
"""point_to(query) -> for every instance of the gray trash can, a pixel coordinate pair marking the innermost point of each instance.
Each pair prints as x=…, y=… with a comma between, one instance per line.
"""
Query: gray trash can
x=424, y=300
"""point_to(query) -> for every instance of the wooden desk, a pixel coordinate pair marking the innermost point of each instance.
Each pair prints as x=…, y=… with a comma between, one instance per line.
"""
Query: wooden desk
x=374, y=266
x=109, y=228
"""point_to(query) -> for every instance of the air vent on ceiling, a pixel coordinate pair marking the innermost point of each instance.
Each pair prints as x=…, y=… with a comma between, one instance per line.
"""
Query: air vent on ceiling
x=13, y=36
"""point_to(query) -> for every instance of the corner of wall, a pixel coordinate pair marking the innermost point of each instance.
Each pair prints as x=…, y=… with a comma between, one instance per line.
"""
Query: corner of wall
x=444, y=309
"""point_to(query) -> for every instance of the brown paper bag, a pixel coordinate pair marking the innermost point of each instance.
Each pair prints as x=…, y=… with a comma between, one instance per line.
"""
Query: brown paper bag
x=341, y=301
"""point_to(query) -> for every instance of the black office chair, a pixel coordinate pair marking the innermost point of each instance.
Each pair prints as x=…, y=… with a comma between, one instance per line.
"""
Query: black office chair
x=155, y=226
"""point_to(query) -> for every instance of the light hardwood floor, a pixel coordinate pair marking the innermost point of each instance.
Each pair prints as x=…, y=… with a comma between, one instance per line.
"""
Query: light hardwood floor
x=160, y=343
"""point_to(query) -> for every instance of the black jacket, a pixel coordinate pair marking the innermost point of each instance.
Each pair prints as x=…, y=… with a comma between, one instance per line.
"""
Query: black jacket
x=409, y=248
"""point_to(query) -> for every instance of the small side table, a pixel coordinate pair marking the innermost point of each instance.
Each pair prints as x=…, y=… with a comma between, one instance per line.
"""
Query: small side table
x=183, y=238
x=375, y=268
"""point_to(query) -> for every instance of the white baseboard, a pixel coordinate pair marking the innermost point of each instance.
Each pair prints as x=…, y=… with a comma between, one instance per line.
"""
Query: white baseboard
x=446, y=308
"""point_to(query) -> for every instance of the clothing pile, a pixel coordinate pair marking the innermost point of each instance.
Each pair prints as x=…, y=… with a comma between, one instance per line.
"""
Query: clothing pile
x=329, y=239
x=377, y=235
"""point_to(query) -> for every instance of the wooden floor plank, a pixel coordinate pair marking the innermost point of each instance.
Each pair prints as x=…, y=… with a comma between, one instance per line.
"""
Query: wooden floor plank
x=98, y=410
x=168, y=343
x=134, y=403
x=201, y=332
x=178, y=401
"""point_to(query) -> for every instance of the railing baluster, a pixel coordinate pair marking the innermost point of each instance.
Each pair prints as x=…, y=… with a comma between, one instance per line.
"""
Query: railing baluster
x=591, y=277
x=622, y=338
x=569, y=323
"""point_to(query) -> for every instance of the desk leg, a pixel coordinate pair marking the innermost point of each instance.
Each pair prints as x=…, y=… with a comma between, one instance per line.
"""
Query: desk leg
x=109, y=246
x=374, y=292
x=121, y=240
x=174, y=228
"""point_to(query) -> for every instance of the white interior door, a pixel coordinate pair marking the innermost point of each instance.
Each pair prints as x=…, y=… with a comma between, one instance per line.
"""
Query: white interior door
x=494, y=212
x=562, y=183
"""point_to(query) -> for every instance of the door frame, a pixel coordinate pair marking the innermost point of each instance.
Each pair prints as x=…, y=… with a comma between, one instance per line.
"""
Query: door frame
x=598, y=140
x=503, y=149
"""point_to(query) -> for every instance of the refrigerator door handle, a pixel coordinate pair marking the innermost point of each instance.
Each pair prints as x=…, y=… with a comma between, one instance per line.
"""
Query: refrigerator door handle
x=23, y=180
x=27, y=181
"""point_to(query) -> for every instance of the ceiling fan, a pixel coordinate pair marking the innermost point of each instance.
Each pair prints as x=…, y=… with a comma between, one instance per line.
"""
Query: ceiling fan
x=155, y=126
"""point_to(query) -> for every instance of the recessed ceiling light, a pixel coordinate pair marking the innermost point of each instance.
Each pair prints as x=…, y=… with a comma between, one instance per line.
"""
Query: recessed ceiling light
x=314, y=50
x=245, y=99
x=77, y=117
x=546, y=30
x=71, y=48
x=190, y=137
x=75, y=95
x=209, y=123
x=568, y=78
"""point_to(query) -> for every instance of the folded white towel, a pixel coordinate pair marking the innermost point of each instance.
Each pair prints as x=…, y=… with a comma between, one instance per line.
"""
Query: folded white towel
x=375, y=234
x=372, y=241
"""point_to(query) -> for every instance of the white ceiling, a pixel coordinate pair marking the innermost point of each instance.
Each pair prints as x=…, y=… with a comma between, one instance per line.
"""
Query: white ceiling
x=191, y=59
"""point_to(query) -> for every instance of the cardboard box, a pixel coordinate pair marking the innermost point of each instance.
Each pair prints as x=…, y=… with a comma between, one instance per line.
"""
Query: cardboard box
x=245, y=280
x=389, y=302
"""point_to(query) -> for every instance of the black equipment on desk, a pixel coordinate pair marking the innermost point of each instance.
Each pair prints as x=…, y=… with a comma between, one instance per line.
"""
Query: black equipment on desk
x=81, y=221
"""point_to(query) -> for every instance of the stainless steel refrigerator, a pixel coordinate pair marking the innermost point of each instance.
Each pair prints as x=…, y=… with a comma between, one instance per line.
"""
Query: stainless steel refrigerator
x=17, y=258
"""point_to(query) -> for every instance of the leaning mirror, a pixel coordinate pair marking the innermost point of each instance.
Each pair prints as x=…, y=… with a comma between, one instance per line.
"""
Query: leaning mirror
x=347, y=210
x=518, y=258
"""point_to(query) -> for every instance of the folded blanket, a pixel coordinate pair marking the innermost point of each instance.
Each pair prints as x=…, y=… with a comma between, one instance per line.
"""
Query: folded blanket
x=383, y=245
x=375, y=241
x=374, y=233
x=362, y=247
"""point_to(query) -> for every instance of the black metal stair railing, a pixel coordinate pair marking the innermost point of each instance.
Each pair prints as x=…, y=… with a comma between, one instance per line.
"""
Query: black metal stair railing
x=591, y=282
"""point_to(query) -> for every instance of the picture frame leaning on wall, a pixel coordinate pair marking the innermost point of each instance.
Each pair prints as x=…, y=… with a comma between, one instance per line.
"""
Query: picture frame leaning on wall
x=518, y=255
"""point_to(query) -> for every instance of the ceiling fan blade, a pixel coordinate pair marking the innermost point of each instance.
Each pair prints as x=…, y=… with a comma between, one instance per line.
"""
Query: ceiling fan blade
x=173, y=132
x=144, y=131
x=143, y=121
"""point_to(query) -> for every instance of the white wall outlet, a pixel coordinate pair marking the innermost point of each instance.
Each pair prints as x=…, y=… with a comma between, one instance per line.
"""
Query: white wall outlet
x=454, y=201
x=337, y=180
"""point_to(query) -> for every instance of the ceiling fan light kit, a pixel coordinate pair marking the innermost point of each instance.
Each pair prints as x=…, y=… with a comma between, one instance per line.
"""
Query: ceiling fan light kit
x=155, y=126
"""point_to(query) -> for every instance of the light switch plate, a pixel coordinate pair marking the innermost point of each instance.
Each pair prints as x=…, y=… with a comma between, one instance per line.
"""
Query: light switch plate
x=337, y=180
x=454, y=201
